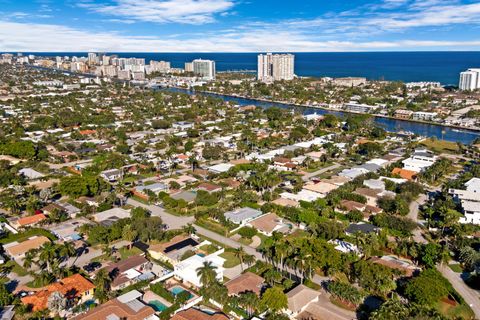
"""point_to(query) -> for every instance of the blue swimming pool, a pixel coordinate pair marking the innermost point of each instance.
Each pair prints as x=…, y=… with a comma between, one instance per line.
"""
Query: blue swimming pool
x=178, y=290
x=157, y=305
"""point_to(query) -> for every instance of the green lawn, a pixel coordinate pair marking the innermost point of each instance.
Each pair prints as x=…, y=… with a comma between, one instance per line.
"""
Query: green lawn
x=456, y=267
x=18, y=269
x=212, y=226
x=22, y=236
x=460, y=311
x=231, y=260
x=125, y=252
x=208, y=248
x=440, y=145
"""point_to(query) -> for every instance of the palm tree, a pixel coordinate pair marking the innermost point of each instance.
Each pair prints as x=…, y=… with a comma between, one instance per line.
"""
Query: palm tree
x=207, y=273
x=249, y=260
x=48, y=254
x=240, y=254
x=189, y=229
x=249, y=301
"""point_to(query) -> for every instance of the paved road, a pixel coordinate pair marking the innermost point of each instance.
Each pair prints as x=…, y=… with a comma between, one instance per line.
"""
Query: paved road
x=309, y=175
x=471, y=296
x=176, y=222
x=173, y=222
x=413, y=214
x=68, y=164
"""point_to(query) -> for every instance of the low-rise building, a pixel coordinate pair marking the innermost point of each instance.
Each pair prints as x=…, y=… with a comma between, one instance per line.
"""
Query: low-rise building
x=73, y=289
x=186, y=270
x=127, y=306
x=16, y=250
x=173, y=250
x=242, y=216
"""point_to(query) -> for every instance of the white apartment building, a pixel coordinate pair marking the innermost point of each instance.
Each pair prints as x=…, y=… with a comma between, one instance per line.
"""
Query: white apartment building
x=275, y=67
x=204, y=68
x=470, y=79
x=424, y=116
x=188, y=66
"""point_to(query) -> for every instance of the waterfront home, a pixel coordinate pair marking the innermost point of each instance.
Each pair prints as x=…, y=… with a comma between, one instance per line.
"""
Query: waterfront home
x=73, y=289
x=403, y=114
x=173, y=250
x=419, y=160
x=424, y=116
x=127, y=306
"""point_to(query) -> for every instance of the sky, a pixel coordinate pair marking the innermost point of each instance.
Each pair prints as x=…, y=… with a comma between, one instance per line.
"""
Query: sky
x=239, y=25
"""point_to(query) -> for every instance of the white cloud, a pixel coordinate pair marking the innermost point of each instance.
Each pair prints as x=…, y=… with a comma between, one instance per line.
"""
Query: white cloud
x=16, y=36
x=163, y=11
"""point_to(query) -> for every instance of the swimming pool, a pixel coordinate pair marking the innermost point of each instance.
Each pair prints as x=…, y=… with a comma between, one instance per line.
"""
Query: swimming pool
x=178, y=290
x=157, y=305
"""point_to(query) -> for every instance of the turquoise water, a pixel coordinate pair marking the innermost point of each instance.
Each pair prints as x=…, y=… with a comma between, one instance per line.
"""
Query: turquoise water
x=201, y=254
x=178, y=290
x=157, y=305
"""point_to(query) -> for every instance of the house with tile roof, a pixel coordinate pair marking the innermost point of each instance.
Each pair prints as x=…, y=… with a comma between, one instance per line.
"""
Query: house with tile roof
x=299, y=298
x=246, y=282
x=127, y=306
x=74, y=289
x=16, y=250
x=195, y=314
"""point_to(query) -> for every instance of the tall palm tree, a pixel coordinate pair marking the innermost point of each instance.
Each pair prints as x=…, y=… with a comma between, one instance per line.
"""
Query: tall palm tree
x=249, y=301
x=48, y=254
x=207, y=273
x=240, y=254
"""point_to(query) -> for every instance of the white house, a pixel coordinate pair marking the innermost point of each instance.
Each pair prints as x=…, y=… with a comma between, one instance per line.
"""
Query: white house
x=187, y=269
x=469, y=200
x=419, y=160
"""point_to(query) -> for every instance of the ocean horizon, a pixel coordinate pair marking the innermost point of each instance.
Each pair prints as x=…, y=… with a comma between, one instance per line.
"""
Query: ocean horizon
x=407, y=66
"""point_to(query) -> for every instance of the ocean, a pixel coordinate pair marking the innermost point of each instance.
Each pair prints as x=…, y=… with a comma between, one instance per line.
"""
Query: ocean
x=443, y=67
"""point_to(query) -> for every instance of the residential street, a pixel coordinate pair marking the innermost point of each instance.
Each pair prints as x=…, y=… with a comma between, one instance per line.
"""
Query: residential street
x=413, y=214
x=471, y=296
x=309, y=175
x=175, y=222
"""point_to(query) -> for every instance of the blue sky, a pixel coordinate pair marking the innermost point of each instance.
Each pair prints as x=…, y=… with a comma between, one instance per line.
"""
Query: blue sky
x=238, y=25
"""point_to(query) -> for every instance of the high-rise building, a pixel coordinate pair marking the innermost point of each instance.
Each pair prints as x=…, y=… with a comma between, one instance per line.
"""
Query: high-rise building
x=92, y=58
x=188, y=66
x=204, y=68
x=470, y=79
x=274, y=67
